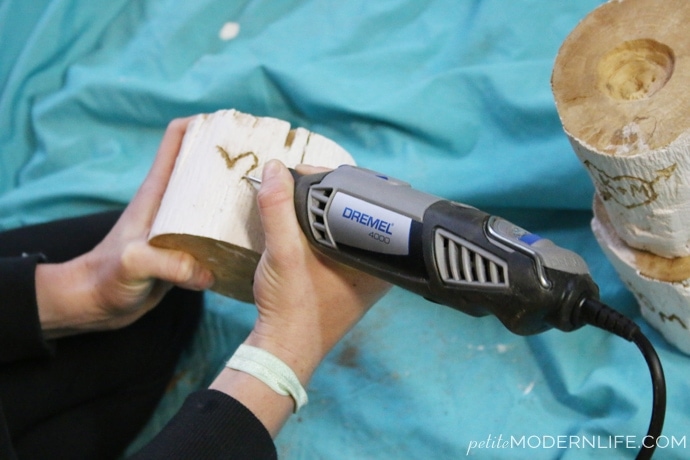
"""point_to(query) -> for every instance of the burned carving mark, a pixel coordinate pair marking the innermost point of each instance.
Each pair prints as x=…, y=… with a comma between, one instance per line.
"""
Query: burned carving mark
x=230, y=162
x=644, y=302
x=641, y=298
x=672, y=319
x=304, y=150
x=290, y=138
x=628, y=191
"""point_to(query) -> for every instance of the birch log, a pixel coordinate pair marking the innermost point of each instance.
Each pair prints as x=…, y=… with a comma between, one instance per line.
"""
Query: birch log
x=660, y=285
x=210, y=211
x=620, y=84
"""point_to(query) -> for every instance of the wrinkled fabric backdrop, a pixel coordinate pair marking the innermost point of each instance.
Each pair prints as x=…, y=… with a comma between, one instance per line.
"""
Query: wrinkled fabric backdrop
x=452, y=96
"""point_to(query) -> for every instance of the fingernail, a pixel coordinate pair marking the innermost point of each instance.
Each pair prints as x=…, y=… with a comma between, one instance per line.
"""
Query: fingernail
x=207, y=280
x=271, y=170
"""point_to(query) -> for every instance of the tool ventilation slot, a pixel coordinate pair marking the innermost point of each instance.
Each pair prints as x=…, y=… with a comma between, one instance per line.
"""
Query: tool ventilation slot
x=318, y=201
x=461, y=262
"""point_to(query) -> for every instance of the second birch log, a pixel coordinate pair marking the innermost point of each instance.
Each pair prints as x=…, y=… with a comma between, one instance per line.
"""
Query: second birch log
x=660, y=285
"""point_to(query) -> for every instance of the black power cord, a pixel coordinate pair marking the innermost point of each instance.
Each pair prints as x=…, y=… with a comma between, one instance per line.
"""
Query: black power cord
x=604, y=317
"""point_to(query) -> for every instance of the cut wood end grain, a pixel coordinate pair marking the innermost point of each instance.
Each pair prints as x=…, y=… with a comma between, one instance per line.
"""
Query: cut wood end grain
x=231, y=265
x=620, y=77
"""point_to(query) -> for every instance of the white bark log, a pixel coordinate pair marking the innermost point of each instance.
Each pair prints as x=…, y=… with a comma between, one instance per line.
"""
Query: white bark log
x=660, y=285
x=209, y=210
x=620, y=82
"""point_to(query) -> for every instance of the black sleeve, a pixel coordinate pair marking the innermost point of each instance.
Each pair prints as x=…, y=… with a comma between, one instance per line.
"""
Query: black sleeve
x=211, y=425
x=6, y=450
x=20, y=330
x=55, y=241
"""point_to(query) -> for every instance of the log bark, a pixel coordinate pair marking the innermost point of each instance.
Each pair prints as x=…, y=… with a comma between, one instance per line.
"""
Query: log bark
x=210, y=211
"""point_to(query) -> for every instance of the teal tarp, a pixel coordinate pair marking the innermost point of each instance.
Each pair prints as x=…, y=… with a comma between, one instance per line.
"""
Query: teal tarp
x=452, y=96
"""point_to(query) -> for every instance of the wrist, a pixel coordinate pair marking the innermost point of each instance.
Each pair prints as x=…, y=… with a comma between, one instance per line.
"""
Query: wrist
x=271, y=371
x=298, y=353
x=62, y=296
x=271, y=407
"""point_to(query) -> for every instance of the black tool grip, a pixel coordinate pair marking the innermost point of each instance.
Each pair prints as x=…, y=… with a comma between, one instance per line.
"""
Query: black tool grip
x=453, y=259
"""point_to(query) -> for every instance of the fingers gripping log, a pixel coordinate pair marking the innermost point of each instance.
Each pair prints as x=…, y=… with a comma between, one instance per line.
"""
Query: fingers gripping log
x=620, y=84
x=209, y=210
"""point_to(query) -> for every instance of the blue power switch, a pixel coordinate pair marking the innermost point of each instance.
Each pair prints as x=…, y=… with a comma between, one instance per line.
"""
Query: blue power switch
x=530, y=238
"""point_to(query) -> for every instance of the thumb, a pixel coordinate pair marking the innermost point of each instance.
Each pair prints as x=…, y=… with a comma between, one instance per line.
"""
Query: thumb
x=177, y=267
x=276, y=206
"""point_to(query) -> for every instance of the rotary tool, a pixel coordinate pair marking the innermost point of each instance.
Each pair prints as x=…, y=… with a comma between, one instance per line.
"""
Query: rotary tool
x=459, y=256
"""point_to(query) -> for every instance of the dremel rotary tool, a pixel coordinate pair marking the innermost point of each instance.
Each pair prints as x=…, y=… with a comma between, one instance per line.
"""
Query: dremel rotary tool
x=456, y=255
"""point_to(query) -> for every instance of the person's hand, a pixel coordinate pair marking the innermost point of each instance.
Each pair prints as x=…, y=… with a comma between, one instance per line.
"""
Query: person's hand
x=306, y=302
x=123, y=277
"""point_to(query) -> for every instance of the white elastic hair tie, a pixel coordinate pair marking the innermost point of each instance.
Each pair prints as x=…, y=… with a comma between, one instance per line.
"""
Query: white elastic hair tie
x=270, y=370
